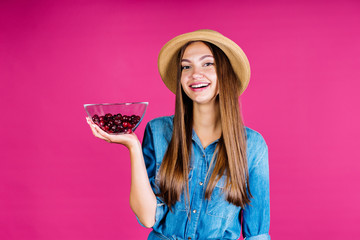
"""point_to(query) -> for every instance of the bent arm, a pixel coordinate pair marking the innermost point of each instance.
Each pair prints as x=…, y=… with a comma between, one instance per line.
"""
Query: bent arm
x=142, y=198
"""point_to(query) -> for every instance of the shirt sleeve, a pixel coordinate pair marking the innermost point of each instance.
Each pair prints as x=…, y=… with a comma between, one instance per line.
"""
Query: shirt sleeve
x=256, y=215
x=150, y=163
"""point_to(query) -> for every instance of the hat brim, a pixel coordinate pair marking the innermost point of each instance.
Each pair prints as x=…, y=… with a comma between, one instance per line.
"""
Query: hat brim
x=167, y=62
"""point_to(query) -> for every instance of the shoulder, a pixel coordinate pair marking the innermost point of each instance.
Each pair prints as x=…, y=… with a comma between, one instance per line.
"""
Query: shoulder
x=161, y=125
x=161, y=122
x=256, y=145
x=254, y=138
x=157, y=136
x=161, y=128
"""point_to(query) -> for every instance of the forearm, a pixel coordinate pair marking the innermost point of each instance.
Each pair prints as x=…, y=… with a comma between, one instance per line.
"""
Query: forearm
x=142, y=197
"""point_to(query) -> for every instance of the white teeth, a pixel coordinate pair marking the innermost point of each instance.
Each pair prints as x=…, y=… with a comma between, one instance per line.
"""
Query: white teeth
x=200, y=85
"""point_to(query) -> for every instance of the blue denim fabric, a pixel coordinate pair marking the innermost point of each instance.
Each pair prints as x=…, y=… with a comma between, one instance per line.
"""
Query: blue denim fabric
x=215, y=218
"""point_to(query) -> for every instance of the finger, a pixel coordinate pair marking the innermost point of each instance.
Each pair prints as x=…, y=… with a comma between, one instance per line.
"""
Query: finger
x=89, y=120
x=93, y=128
x=102, y=134
x=96, y=133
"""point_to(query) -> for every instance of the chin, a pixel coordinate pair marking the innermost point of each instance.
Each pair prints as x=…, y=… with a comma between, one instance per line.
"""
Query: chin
x=204, y=100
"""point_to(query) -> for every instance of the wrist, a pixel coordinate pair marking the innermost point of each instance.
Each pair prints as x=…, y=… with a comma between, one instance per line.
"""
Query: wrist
x=134, y=146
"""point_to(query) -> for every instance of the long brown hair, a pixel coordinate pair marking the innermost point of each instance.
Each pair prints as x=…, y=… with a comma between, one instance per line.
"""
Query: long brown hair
x=230, y=152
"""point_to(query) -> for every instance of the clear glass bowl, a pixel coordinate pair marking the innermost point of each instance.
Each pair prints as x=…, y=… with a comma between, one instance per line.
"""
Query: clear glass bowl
x=117, y=118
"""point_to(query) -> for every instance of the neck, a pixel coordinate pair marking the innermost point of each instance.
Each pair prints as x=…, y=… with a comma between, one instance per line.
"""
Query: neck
x=207, y=117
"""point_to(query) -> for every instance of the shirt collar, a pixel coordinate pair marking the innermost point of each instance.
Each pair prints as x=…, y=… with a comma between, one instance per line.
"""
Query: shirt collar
x=196, y=139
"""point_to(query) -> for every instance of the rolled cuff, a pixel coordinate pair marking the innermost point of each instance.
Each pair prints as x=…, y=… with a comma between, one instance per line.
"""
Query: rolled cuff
x=159, y=214
x=264, y=236
x=161, y=209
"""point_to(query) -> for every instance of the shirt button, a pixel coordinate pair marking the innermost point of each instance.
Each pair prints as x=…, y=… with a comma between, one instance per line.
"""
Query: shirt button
x=194, y=211
x=201, y=183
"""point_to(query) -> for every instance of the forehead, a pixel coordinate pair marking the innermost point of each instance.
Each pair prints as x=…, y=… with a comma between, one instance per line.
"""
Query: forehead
x=196, y=49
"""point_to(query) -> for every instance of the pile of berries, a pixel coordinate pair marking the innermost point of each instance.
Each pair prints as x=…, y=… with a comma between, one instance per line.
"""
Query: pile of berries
x=116, y=123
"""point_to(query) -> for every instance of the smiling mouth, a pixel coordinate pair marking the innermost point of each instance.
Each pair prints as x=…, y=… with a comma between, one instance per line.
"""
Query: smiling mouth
x=200, y=85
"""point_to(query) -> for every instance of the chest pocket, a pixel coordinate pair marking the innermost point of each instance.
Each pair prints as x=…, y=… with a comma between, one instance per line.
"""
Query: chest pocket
x=217, y=205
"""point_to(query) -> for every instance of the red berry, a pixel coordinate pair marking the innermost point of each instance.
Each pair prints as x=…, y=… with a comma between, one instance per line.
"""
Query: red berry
x=118, y=116
x=95, y=118
x=110, y=123
x=120, y=128
x=125, y=124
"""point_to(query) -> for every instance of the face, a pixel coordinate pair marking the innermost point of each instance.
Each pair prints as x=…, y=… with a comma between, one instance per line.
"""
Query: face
x=198, y=75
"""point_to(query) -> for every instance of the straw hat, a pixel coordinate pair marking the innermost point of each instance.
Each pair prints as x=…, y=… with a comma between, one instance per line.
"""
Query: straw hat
x=167, y=58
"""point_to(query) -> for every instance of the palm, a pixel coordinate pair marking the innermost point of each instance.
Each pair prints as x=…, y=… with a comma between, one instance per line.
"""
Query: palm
x=121, y=138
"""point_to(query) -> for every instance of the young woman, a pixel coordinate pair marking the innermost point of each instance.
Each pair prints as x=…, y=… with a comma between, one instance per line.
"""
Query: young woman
x=200, y=174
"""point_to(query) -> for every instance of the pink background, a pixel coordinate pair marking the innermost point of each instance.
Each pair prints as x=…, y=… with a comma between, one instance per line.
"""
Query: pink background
x=57, y=181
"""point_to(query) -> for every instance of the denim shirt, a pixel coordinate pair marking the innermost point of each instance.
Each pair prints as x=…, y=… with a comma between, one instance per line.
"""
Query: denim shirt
x=214, y=218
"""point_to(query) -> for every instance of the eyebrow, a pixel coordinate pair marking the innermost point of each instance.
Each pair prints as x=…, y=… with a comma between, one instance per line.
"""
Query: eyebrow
x=205, y=56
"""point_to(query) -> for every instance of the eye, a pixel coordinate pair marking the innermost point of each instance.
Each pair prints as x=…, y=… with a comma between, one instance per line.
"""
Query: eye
x=185, y=67
x=208, y=64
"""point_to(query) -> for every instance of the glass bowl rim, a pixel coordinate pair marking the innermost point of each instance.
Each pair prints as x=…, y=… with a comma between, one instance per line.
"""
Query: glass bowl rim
x=106, y=104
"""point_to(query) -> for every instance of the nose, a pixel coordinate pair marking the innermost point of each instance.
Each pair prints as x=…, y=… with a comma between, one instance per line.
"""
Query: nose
x=197, y=73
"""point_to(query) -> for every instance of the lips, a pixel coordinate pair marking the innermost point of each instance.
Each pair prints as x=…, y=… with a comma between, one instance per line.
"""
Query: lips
x=199, y=85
